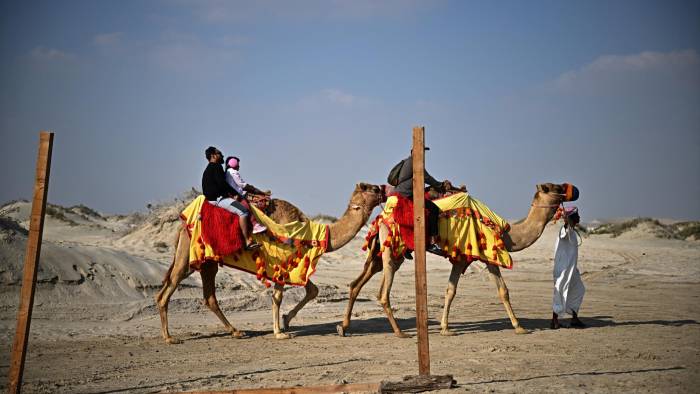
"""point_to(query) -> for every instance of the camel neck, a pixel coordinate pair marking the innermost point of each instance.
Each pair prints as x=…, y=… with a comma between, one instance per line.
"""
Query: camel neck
x=525, y=232
x=345, y=228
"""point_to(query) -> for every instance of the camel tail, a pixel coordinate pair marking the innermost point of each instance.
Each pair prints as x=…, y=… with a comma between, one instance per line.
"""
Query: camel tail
x=176, y=245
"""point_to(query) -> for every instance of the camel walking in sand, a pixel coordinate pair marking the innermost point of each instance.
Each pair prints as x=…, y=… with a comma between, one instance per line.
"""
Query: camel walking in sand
x=364, y=199
x=521, y=235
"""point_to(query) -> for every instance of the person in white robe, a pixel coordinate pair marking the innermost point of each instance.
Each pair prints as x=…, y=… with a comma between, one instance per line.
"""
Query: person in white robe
x=568, y=286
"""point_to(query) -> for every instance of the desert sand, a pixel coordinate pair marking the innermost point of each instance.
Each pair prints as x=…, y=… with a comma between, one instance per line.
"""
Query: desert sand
x=96, y=329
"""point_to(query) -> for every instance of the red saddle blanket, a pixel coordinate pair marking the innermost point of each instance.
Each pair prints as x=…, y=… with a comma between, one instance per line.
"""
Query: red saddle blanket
x=220, y=230
x=403, y=215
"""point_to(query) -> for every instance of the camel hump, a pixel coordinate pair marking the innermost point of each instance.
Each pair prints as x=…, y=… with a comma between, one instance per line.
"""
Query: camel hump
x=282, y=211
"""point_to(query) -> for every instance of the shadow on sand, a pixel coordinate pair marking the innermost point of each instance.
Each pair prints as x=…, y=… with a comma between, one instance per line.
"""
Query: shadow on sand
x=543, y=324
x=380, y=325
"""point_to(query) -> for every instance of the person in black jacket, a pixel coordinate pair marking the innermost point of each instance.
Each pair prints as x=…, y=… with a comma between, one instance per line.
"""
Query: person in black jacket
x=405, y=188
x=218, y=192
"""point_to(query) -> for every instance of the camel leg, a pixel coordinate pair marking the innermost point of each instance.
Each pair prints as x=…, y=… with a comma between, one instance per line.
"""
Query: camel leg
x=371, y=268
x=179, y=270
x=208, y=274
x=311, y=293
x=380, y=266
x=389, y=267
x=455, y=274
x=505, y=299
x=277, y=295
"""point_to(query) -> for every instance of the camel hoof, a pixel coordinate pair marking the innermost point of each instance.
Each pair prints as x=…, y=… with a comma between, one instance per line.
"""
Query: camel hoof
x=238, y=334
x=285, y=322
x=520, y=330
x=283, y=335
x=172, y=341
x=340, y=329
x=446, y=332
x=401, y=334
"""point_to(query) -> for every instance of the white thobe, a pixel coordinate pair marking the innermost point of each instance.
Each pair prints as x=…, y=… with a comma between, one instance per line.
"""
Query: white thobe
x=568, y=286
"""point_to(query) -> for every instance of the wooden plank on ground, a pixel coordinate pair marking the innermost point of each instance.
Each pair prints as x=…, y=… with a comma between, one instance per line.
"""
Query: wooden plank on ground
x=340, y=388
x=418, y=384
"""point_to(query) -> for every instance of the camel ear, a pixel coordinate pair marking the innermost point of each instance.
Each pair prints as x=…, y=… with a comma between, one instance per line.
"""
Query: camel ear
x=543, y=188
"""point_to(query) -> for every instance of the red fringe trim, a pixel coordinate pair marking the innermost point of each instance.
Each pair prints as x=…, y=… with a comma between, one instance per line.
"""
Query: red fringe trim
x=403, y=216
x=220, y=230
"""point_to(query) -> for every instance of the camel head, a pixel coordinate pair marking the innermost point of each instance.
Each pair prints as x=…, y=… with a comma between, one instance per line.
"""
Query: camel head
x=365, y=197
x=563, y=192
x=551, y=195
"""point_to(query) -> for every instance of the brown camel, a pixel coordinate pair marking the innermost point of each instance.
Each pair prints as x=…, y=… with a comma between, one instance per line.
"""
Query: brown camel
x=521, y=235
x=364, y=199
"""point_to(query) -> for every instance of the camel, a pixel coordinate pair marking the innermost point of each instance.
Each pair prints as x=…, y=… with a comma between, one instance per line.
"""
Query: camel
x=521, y=235
x=364, y=199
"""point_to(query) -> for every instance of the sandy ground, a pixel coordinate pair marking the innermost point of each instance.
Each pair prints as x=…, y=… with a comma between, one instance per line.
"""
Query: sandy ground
x=95, y=328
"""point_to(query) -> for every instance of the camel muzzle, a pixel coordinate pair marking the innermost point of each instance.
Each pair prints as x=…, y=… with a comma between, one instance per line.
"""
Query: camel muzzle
x=571, y=193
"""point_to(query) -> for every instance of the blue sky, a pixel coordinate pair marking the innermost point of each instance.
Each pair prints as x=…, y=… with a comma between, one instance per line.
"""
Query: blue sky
x=315, y=96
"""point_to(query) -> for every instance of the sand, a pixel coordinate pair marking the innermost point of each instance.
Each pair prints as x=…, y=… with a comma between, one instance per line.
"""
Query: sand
x=95, y=327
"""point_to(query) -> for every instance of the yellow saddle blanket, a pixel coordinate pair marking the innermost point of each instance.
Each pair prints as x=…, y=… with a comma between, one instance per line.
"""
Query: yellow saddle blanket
x=288, y=255
x=468, y=230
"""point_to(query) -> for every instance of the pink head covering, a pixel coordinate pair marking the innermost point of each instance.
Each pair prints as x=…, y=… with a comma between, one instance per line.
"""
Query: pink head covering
x=233, y=162
x=568, y=211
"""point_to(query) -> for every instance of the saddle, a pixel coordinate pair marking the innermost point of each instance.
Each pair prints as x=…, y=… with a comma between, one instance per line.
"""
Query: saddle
x=448, y=189
x=261, y=201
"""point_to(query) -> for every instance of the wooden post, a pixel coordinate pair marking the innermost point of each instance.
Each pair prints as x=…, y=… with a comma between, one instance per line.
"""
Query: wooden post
x=31, y=261
x=419, y=231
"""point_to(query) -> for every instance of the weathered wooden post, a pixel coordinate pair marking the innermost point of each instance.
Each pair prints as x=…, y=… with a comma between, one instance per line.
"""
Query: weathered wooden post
x=31, y=261
x=424, y=381
x=419, y=231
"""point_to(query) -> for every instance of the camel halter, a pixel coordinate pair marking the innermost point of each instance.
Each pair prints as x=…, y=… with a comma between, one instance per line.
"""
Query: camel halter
x=568, y=195
x=559, y=206
x=364, y=208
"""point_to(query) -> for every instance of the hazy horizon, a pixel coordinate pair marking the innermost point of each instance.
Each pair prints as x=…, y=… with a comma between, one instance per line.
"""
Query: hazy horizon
x=316, y=96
